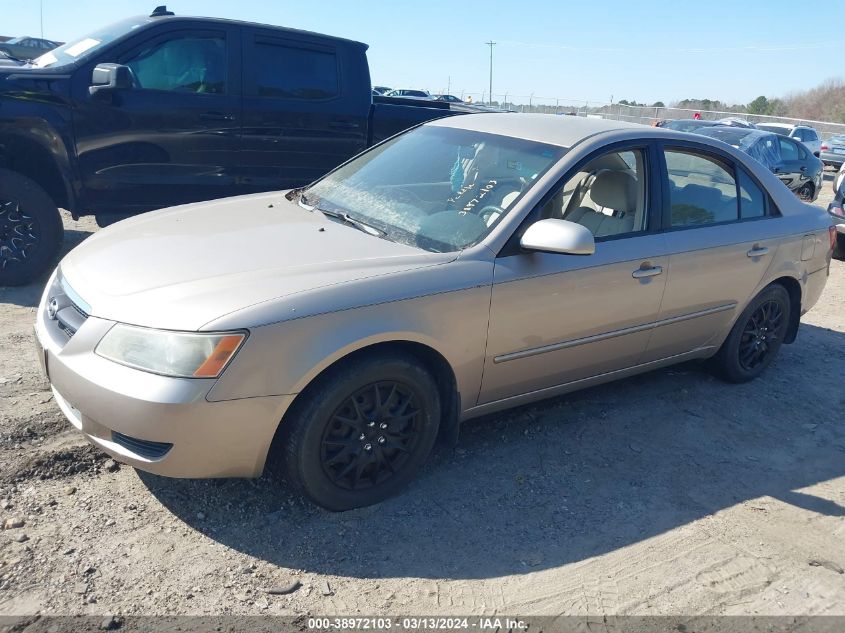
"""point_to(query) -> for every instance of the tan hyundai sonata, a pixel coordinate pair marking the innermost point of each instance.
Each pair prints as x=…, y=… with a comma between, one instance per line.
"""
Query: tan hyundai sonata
x=468, y=265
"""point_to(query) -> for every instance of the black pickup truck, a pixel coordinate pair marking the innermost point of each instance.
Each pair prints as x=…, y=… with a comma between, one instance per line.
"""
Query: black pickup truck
x=162, y=110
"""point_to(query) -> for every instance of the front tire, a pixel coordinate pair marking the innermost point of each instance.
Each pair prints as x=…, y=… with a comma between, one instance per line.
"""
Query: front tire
x=30, y=229
x=362, y=432
x=756, y=337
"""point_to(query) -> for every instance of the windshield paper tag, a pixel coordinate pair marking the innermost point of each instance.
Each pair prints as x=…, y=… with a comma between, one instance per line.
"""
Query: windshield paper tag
x=80, y=47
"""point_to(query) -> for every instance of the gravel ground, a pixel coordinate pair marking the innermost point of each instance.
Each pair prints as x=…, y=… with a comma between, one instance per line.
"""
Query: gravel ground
x=668, y=493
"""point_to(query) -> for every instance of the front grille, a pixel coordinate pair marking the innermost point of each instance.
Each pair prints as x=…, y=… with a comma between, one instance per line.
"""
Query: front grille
x=144, y=448
x=65, y=310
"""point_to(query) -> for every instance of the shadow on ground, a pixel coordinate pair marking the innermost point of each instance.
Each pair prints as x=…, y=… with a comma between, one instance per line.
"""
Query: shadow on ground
x=562, y=481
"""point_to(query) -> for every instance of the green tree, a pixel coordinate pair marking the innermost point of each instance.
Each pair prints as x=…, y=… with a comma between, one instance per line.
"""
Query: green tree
x=760, y=105
x=658, y=104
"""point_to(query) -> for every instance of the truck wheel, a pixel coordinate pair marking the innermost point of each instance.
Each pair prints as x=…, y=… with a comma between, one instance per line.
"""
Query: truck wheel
x=361, y=432
x=30, y=229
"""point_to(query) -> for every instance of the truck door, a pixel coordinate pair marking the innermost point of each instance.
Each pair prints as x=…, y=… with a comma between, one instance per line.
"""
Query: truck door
x=306, y=107
x=174, y=136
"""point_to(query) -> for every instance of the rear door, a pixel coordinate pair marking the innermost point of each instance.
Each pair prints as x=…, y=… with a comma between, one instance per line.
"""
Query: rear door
x=174, y=136
x=306, y=105
x=792, y=169
x=721, y=237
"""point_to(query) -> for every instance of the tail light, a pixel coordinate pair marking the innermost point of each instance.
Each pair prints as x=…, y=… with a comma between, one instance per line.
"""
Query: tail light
x=831, y=231
x=824, y=147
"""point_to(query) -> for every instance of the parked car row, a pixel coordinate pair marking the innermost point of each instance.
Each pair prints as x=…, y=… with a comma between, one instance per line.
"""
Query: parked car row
x=790, y=160
x=801, y=133
x=786, y=150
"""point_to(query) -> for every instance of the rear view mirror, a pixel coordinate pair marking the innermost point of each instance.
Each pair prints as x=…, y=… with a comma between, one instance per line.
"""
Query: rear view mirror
x=106, y=78
x=559, y=236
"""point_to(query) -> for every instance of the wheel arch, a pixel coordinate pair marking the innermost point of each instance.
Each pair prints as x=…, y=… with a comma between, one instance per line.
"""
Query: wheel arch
x=45, y=163
x=433, y=361
x=791, y=285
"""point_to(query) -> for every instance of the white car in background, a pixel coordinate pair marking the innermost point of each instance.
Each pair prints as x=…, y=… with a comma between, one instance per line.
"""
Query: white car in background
x=804, y=133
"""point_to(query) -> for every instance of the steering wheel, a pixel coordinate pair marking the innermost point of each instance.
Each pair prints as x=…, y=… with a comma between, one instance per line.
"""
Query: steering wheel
x=407, y=196
x=488, y=214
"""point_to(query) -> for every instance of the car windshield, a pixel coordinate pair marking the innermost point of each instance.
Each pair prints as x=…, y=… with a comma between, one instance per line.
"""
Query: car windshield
x=688, y=125
x=437, y=188
x=80, y=48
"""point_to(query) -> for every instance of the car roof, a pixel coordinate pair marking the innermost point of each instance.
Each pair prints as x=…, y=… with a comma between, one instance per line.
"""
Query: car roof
x=564, y=131
x=178, y=18
x=778, y=124
x=731, y=135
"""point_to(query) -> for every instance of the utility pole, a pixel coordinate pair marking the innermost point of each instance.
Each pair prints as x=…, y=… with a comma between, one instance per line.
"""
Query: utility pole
x=41, y=5
x=491, y=44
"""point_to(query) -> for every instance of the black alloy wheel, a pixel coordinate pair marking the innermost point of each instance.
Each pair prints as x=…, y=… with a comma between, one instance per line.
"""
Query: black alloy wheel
x=360, y=431
x=371, y=435
x=760, y=334
x=19, y=234
x=30, y=229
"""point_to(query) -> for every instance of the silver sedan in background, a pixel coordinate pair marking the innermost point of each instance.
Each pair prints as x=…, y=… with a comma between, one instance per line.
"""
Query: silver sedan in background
x=466, y=266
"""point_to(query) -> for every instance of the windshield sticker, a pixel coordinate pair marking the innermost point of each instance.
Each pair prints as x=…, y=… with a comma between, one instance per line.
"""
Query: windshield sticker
x=81, y=46
x=45, y=60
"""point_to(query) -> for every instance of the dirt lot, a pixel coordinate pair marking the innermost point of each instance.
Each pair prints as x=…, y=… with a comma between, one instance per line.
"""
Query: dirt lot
x=669, y=493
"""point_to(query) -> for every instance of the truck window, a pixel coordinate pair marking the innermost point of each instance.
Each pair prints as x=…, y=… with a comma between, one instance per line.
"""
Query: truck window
x=294, y=73
x=187, y=63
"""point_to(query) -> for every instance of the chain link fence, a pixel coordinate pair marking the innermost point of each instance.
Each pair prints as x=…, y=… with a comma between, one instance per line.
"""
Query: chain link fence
x=637, y=114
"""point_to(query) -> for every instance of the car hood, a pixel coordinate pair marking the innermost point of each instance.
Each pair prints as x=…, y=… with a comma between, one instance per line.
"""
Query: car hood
x=184, y=267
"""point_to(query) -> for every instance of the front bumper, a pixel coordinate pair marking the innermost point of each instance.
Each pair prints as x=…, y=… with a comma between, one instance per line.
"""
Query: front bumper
x=155, y=423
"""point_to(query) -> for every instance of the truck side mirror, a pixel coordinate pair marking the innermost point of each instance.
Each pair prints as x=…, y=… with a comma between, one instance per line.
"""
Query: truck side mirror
x=106, y=78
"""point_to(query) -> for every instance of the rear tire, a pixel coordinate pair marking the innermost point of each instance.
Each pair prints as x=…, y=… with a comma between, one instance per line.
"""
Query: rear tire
x=839, y=247
x=30, y=229
x=361, y=433
x=756, y=337
x=806, y=192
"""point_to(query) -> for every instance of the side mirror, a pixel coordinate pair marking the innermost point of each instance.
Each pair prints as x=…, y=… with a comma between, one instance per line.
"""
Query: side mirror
x=106, y=78
x=559, y=236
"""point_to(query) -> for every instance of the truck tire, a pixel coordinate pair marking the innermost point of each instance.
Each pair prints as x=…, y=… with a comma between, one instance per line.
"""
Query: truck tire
x=30, y=229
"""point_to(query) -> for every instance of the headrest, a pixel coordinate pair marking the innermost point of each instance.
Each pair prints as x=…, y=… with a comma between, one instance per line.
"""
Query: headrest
x=615, y=190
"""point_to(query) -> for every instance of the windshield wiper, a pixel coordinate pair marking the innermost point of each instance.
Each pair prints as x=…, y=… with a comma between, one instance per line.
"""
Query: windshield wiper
x=308, y=204
x=348, y=219
x=14, y=58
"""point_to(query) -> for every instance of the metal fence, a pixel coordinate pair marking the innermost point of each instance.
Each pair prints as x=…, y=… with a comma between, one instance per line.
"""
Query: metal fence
x=637, y=114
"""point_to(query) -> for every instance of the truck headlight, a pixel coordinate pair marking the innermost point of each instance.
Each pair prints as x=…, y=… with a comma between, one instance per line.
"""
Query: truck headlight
x=177, y=354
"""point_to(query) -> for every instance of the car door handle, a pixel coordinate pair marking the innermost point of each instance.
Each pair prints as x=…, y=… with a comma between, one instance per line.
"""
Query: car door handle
x=216, y=116
x=652, y=271
x=344, y=125
x=758, y=251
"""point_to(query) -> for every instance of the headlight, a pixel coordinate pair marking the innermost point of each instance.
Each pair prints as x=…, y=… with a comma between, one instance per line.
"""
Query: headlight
x=178, y=354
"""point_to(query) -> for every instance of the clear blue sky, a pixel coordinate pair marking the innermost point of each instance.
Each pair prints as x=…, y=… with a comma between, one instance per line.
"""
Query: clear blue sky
x=632, y=49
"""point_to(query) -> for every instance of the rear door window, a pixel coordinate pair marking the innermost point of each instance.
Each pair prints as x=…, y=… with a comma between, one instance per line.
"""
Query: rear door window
x=702, y=189
x=286, y=70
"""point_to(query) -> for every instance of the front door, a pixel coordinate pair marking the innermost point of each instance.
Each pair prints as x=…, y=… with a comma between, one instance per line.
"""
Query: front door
x=557, y=318
x=174, y=136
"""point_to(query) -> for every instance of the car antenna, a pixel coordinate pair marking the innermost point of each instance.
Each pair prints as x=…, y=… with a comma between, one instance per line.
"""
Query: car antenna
x=160, y=11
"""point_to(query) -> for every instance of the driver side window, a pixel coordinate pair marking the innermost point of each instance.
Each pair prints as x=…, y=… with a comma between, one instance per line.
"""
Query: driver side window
x=607, y=195
x=187, y=63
